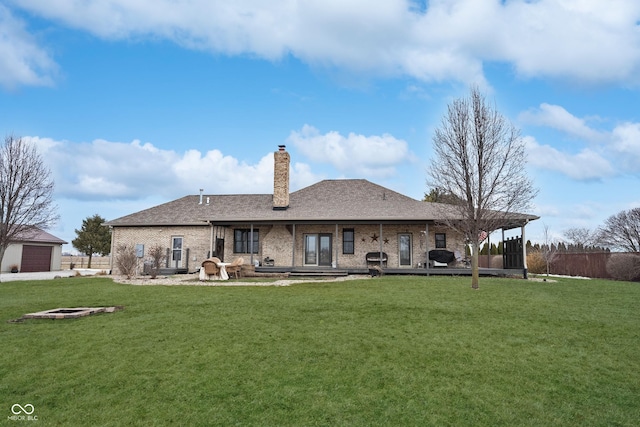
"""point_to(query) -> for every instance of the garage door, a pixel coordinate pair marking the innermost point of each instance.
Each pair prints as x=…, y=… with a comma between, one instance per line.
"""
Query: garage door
x=36, y=258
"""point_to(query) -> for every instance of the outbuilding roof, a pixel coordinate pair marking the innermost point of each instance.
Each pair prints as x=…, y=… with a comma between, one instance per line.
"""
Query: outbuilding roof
x=344, y=200
x=37, y=235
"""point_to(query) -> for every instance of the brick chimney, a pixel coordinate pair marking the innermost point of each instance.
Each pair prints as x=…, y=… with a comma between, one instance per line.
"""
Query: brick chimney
x=281, y=162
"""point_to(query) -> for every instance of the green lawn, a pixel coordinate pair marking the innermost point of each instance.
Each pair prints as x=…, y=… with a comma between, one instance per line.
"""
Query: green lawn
x=391, y=351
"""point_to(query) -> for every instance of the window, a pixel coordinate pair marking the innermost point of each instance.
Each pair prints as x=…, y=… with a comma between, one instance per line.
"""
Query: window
x=348, y=241
x=441, y=240
x=241, y=239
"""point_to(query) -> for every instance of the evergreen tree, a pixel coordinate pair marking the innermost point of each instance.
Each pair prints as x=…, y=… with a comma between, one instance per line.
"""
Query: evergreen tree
x=93, y=237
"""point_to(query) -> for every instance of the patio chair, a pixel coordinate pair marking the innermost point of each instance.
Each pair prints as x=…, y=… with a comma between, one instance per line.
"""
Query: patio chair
x=235, y=267
x=210, y=266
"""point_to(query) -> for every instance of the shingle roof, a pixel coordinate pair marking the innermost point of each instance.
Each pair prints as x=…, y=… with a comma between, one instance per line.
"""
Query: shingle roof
x=328, y=200
x=37, y=235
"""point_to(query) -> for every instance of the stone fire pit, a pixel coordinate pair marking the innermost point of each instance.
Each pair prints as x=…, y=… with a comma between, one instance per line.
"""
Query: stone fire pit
x=70, y=313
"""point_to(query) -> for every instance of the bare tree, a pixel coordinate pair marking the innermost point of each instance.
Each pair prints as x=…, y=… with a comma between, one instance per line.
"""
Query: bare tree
x=549, y=250
x=479, y=160
x=582, y=237
x=26, y=191
x=156, y=257
x=622, y=231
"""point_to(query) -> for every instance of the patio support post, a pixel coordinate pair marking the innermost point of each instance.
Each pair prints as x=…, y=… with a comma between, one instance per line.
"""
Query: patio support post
x=211, y=240
x=504, y=257
x=426, y=246
x=488, y=250
x=251, y=243
x=381, y=264
x=336, y=245
x=524, y=253
x=293, y=246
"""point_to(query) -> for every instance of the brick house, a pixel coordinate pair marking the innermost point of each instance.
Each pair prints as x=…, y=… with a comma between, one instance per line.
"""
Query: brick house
x=333, y=224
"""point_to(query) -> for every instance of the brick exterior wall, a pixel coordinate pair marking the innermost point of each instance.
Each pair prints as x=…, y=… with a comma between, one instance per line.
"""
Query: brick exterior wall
x=281, y=161
x=276, y=242
x=195, y=238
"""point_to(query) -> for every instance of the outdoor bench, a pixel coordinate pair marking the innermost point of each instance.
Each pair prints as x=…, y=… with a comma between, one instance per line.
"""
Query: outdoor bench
x=374, y=258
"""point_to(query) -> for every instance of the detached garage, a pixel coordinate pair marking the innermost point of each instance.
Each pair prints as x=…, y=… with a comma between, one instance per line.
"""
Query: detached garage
x=35, y=251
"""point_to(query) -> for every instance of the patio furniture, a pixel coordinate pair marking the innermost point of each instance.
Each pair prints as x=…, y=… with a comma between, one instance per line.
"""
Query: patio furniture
x=235, y=267
x=441, y=257
x=268, y=262
x=210, y=267
x=374, y=258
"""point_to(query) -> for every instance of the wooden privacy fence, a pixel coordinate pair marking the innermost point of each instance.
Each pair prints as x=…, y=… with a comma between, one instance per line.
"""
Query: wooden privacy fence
x=587, y=264
x=82, y=261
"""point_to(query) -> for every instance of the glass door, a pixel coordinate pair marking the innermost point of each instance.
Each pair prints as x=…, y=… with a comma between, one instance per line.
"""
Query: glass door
x=325, y=250
x=176, y=252
x=404, y=250
x=317, y=249
x=311, y=249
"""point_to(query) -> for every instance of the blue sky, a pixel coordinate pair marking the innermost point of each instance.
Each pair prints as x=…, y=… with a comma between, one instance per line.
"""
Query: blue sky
x=134, y=103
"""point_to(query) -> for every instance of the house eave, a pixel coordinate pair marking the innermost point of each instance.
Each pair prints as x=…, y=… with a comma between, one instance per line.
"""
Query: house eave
x=202, y=223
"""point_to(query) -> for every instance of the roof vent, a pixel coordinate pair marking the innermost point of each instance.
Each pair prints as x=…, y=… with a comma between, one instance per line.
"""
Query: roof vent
x=201, y=190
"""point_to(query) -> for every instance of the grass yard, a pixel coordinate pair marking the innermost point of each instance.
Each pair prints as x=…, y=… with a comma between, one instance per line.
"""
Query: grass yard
x=391, y=351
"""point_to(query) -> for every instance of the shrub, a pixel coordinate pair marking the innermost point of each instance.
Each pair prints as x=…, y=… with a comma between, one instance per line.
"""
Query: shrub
x=624, y=266
x=157, y=257
x=126, y=260
x=536, y=263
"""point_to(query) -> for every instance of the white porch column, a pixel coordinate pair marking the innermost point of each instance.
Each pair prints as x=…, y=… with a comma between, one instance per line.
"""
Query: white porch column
x=488, y=250
x=503, y=247
x=524, y=251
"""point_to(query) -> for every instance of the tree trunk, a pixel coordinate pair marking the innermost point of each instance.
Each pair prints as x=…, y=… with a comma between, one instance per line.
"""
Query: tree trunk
x=2, y=251
x=475, y=273
x=89, y=264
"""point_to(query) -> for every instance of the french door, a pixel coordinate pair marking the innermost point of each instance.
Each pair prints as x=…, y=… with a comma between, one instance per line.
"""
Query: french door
x=317, y=249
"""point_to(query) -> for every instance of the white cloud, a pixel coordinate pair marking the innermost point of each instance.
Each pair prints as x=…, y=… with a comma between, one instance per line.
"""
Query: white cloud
x=609, y=152
x=447, y=40
x=586, y=40
x=626, y=146
x=546, y=210
x=584, y=165
x=354, y=154
x=113, y=170
x=22, y=61
x=556, y=117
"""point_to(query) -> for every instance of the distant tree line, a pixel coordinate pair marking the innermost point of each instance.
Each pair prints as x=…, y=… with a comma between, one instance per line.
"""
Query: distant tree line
x=565, y=247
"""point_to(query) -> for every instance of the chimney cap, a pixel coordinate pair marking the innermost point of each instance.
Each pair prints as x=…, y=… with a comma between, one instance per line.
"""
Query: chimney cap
x=281, y=147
